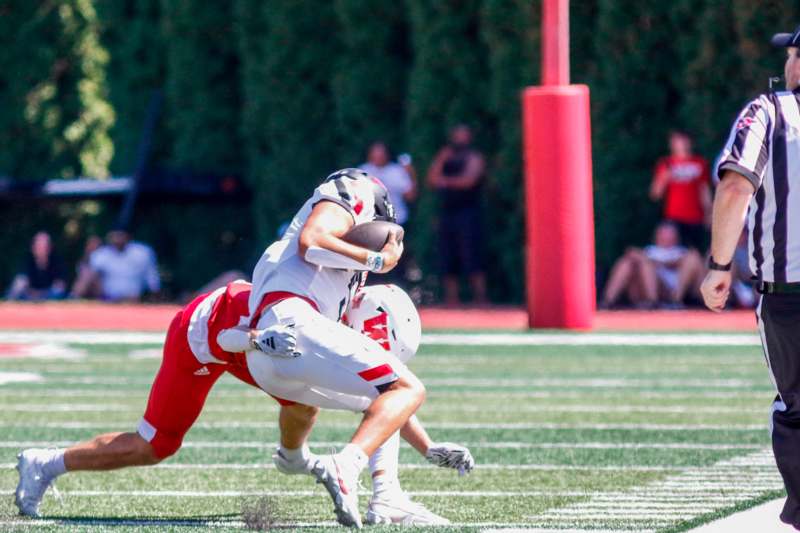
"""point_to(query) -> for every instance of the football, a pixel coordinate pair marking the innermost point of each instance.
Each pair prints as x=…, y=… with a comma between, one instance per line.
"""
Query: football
x=372, y=235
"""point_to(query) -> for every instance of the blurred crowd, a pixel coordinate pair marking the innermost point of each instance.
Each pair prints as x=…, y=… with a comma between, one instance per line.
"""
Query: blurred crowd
x=117, y=270
x=667, y=273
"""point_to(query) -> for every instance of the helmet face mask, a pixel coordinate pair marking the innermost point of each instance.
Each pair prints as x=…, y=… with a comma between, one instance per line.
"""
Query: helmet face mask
x=386, y=314
x=384, y=210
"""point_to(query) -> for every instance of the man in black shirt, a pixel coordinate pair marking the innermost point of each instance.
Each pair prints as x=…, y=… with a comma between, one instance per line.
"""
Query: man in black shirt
x=456, y=174
x=42, y=277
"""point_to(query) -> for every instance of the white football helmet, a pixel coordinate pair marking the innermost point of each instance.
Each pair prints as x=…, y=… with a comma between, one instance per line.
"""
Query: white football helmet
x=386, y=314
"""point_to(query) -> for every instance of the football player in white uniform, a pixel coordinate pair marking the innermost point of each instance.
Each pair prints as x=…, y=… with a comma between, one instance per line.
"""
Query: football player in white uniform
x=387, y=315
x=306, y=280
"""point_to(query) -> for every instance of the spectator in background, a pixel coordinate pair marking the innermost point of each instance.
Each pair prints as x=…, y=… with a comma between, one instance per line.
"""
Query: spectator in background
x=682, y=181
x=42, y=277
x=399, y=178
x=123, y=270
x=83, y=270
x=662, y=274
x=457, y=174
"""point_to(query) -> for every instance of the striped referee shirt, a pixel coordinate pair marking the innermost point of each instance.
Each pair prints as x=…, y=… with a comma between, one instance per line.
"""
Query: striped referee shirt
x=764, y=147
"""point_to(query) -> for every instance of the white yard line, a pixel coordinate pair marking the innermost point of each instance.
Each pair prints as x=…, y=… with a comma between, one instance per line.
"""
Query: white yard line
x=418, y=466
x=527, y=529
x=57, y=378
x=458, y=339
x=594, y=507
x=706, y=475
x=592, y=339
x=711, y=489
x=260, y=407
x=289, y=493
x=19, y=377
x=503, y=445
x=615, y=383
x=430, y=425
x=600, y=395
x=212, y=523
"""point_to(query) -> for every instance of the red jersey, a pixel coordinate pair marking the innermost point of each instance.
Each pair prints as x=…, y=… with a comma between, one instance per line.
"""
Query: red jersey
x=225, y=308
x=683, y=200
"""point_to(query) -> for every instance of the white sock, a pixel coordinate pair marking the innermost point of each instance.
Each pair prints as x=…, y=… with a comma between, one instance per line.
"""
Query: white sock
x=295, y=455
x=355, y=455
x=385, y=484
x=53, y=463
x=387, y=457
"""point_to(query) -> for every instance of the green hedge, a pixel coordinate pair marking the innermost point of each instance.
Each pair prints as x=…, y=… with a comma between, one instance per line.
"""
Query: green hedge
x=202, y=85
x=284, y=92
x=448, y=84
x=289, y=112
x=131, y=32
x=370, y=77
x=55, y=116
x=510, y=30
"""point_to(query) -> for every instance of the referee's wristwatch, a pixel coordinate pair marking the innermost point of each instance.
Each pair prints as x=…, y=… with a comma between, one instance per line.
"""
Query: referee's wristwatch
x=713, y=265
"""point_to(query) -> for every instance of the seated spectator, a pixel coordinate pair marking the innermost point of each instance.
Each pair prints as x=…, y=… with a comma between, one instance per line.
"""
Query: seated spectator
x=123, y=270
x=682, y=181
x=399, y=178
x=83, y=270
x=42, y=277
x=662, y=274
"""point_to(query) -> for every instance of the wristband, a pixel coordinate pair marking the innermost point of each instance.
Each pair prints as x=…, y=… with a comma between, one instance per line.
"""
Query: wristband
x=374, y=261
x=713, y=265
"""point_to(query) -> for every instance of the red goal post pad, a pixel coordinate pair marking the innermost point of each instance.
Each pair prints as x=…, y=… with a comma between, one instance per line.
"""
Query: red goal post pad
x=557, y=152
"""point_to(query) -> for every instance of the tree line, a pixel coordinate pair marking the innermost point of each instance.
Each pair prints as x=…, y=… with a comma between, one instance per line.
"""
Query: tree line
x=283, y=92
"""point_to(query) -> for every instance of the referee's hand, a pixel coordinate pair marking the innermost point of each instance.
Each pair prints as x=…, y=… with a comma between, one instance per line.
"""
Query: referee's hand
x=715, y=289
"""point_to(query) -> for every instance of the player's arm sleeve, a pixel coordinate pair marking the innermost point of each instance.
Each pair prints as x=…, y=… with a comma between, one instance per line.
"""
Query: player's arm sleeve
x=330, y=259
x=748, y=148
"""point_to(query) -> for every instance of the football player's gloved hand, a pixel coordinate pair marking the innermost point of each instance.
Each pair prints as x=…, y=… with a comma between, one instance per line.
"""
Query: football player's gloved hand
x=449, y=455
x=278, y=340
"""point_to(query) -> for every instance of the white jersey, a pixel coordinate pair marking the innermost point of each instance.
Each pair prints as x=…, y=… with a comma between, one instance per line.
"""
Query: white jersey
x=281, y=269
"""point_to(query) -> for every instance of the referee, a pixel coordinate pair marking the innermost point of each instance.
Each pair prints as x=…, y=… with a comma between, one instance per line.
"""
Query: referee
x=760, y=168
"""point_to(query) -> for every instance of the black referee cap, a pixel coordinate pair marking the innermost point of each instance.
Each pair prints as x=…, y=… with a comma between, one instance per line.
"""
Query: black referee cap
x=785, y=40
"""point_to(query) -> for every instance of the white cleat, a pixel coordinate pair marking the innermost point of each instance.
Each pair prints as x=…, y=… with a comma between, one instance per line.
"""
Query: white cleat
x=398, y=509
x=341, y=482
x=286, y=466
x=32, y=482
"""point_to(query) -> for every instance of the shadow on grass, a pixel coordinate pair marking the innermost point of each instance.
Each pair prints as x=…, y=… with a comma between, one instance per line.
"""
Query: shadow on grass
x=111, y=521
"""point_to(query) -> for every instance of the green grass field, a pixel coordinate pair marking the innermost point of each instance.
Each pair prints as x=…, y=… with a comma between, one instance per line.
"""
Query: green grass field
x=608, y=437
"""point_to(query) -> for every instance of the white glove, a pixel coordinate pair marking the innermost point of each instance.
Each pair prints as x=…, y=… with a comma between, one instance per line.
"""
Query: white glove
x=278, y=340
x=449, y=455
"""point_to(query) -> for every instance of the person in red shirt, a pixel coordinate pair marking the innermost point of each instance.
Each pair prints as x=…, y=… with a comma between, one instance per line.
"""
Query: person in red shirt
x=681, y=180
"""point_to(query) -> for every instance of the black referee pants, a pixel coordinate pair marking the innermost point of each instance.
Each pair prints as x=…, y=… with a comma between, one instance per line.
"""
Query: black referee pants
x=779, y=323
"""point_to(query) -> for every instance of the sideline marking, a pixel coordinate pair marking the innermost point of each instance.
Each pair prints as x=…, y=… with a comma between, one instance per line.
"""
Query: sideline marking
x=19, y=377
x=638, y=506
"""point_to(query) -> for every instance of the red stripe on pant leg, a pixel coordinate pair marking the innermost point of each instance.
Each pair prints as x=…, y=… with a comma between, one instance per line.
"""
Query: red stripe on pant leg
x=377, y=372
